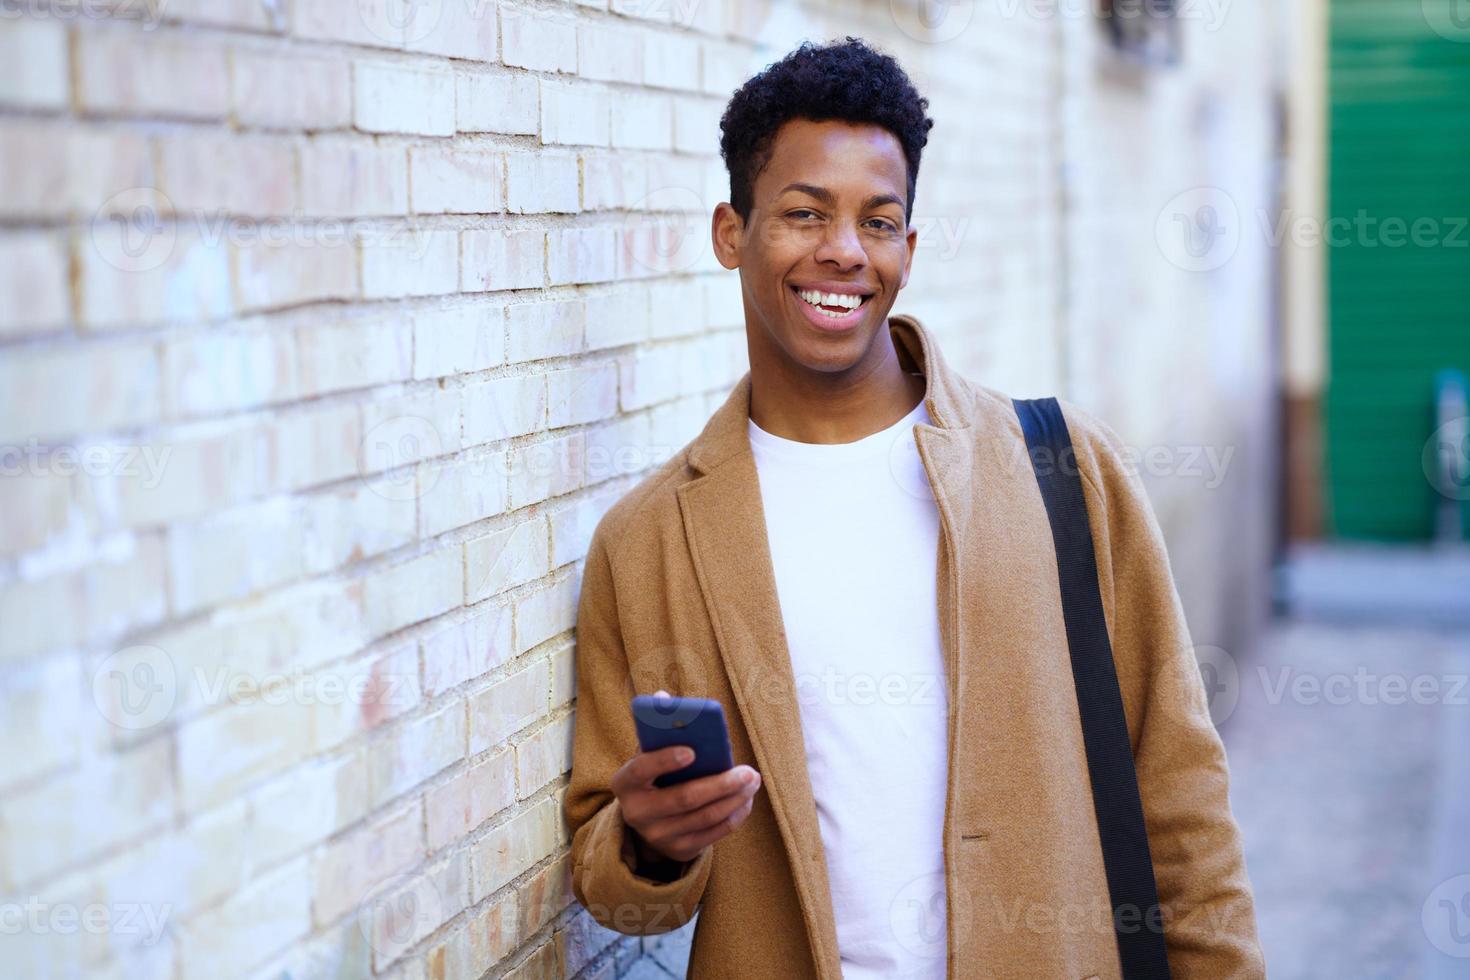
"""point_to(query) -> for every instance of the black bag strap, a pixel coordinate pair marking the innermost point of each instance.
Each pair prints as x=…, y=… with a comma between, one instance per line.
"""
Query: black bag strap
x=1131, y=888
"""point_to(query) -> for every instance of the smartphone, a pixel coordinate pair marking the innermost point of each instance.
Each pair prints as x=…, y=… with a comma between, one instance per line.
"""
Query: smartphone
x=696, y=722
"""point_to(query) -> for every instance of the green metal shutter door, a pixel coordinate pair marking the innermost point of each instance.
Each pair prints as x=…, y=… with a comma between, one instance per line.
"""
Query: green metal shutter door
x=1399, y=84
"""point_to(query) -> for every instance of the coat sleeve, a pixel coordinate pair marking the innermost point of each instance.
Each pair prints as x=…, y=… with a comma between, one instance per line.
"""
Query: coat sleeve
x=603, y=858
x=1199, y=864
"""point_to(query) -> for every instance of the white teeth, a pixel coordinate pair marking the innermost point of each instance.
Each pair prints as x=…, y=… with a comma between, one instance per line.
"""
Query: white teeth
x=818, y=300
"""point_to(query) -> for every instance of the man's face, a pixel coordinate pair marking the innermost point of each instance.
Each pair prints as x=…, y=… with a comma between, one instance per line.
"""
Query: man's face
x=828, y=218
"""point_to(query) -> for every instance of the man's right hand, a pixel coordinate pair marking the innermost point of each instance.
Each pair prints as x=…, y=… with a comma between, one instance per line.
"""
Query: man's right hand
x=676, y=822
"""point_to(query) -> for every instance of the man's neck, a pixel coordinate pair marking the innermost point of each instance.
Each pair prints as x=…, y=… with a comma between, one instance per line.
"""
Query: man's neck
x=792, y=402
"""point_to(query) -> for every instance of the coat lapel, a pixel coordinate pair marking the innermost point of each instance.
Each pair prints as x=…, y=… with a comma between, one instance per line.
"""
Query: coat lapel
x=724, y=522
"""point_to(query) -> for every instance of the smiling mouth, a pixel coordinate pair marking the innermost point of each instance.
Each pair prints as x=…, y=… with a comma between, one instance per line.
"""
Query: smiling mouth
x=835, y=306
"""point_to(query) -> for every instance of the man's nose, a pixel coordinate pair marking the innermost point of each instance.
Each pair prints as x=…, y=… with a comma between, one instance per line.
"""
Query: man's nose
x=843, y=245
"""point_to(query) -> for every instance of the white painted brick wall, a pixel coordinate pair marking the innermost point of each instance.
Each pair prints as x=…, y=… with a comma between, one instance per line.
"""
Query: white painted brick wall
x=328, y=331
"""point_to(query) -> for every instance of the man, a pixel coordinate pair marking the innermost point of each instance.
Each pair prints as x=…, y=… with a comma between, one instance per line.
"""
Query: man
x=853, y=557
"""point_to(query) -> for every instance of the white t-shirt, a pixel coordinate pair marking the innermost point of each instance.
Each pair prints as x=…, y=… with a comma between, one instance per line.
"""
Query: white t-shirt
x=854, y=536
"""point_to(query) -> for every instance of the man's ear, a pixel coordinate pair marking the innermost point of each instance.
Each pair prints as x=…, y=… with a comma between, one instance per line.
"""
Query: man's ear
x=727, y=232
x=912, y=241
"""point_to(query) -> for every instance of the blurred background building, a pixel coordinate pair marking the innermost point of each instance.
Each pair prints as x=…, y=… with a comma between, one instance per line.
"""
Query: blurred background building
x=330, y=328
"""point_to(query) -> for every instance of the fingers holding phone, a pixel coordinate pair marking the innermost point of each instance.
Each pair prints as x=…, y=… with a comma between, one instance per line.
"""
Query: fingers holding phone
x=676, y=803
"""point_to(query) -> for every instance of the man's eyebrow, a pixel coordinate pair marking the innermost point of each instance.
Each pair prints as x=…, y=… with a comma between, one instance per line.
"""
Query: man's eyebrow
x=826, y=197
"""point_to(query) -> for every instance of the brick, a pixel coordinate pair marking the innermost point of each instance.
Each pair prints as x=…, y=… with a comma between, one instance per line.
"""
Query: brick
x=457, y=29
x=504, y=407
x=145, y=74
x=458, y=807
x=642, y=122
x=507, y=706
x=493, y=259
x=539, y=182
x=55, y=825
x=414, y=591
x=377, y=23
x=697, y=125
x=582, y=394
x=315, y=266
x=461, y=181
x=233, y=554
x=549, y=329
x=541, y=39
x=316, y=444
x=34, y=57
x=54, y=169
x=622, y=318
x=305, y=806
x=458, y=341
x=563, y=677
x=544, y=756
x=350, y=870
x=394, y=99
x=572, y=527
x=573, y=114
x=177, y=871
x=249, y=14
x=204, y=175
x=649, y=378
x=209, y=373
x=122, y=588
x=505, y=558
x=356, y=353
x=48, y=393
x=181, y=276
x=479, y=944
x=466, y=649
x=223, y=752
x=609, y=54
x=37, y=501
x=487, y=103
x=582, y=255
x=409, y=429
x=414, y=751
x=676, y=308
x=408, y=911
x=609, y=182
x=405, y=261
x=363, y=695
x=42, y=713
x=353, y=177
x=671, y=61
x=34, y=283
x=544, y=614
x=461, y=492
x=290, y=92
x=258, y=921
x=512, y=847
x=365, y=518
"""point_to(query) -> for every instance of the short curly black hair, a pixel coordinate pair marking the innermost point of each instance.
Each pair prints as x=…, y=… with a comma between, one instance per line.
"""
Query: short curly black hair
x=844, y=80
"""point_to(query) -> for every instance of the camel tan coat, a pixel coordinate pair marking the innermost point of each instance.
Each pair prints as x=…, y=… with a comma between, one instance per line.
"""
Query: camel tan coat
x=678, y=592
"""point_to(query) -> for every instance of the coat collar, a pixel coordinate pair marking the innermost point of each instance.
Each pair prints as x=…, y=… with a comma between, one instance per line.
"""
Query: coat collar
x=724, y=522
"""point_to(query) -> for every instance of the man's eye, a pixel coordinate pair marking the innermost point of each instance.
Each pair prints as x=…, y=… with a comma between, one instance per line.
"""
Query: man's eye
x=882, y=225
x=801, y=211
